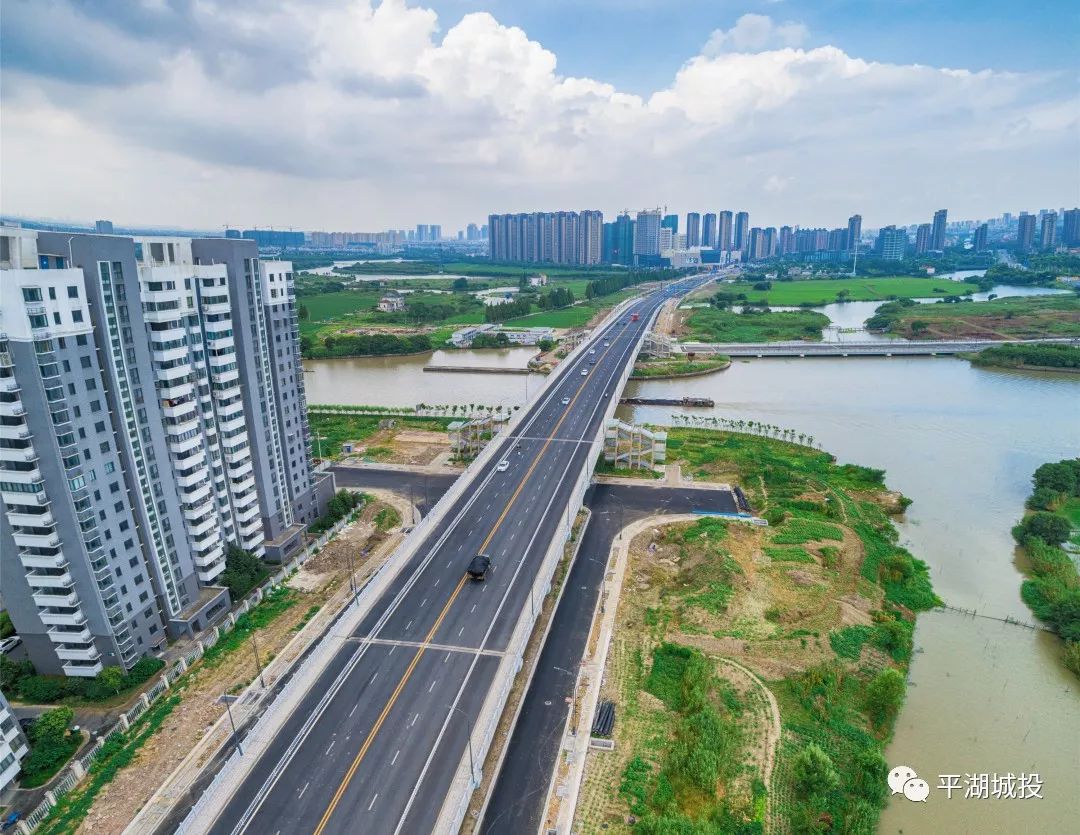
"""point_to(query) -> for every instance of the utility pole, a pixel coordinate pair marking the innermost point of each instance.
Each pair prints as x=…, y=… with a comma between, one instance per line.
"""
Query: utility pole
x=472, y=761
x=352, y=574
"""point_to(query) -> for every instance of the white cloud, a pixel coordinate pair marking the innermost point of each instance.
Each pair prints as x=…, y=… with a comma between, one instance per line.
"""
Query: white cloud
x=350, y=115
x=753, y=32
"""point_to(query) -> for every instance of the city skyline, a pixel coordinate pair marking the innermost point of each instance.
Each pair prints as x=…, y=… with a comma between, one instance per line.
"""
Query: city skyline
x=458, y=99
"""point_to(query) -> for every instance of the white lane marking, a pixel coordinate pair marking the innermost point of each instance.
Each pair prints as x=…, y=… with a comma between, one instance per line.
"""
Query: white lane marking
x=372, y=803
x=354, y=707
x=392, y=650
x=308, y=783
x=423, y=603
x=413, y=722
x=408, y=625
x=447, y=658
x=436, y=582
x=328, y=747
x=473, y=609
x=372, y=681
x=460, y=631
x=436, y=681
x=396, y=753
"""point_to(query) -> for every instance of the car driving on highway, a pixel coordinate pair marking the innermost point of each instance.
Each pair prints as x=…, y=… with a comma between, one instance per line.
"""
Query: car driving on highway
x=503, y=466
x=478, y=566
x=566, y=401
x=584, y=372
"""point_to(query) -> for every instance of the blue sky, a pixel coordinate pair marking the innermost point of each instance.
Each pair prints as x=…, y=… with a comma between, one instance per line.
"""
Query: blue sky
x=359, y=115
x=639, y=44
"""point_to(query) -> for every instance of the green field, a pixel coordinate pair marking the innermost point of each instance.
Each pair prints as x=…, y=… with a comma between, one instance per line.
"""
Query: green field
x=708, y=324
x=335, y=429
x=571, y=317
x=816, y=292
x=471, y=268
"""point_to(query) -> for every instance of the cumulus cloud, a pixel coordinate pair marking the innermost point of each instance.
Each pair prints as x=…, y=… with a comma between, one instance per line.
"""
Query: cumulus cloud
x=753, y=32
x=353, y=114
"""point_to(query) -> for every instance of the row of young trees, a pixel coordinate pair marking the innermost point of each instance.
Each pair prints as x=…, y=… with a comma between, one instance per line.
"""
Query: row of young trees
x=750, y=427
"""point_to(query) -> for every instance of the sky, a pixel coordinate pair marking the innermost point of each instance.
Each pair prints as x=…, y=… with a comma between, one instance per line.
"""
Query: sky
x=350, y=115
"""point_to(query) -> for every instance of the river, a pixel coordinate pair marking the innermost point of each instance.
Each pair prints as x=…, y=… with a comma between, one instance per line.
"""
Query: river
x=962, y=442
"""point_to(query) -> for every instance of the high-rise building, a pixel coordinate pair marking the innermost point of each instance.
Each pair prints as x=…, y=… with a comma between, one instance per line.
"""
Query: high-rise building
x=787, y=240
x=472, y=232
x=742, y=230
x=724, y=230
x=771, y=244
x=156, y=414
x=937, y=238
x=756, y=244
x=892, y=243
x=708, y=230
x=623, y=244
x=693, y=229
x=981, y=233
x=436, y=232
x=647, y=234
x=1070, y=230
x=671, y=222
x=837, y=239
x=103, y=227
x=923, y=236
x=667, y=239
x=1048, y=233
x=547, y=237
x=1025, y=232
x=275, y=238
x=854, y=231
x=13, y=745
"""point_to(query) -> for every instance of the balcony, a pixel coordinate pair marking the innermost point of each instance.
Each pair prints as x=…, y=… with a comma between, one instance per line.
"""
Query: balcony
x=82, y=668
x=175, y=389
x=216, y=307
x=76, y=653
x=223, y=377
x=34, y=540
x=240, y=470
x=65, y=599
x=32, y=561
x=200, y=476
x=180, y=447
x=208, y=559
x=76, y=618
x=196, y=495
x=59, y=582
x=239, y=488
x=9, y=385
x=67, y=636
x=238, y=456
x=178, y=352
x=209, y=575
x=25, y=519
x=27, y=453
x=249, y=528
x=19, y=432
x=207, y=539
x=12, y=408
x=231, y=423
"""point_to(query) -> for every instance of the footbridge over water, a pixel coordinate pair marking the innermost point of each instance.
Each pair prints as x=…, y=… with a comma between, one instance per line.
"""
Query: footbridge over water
x=855, y=349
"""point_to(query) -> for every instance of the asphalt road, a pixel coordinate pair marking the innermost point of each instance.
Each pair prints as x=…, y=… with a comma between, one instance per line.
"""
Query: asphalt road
x=425, y=489
x=520, y=792
x=376, y=741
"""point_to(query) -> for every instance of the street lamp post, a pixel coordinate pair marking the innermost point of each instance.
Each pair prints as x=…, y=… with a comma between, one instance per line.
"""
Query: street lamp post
x=352, y=574
x=258, y=663
x=472, y=761
x=228, y=708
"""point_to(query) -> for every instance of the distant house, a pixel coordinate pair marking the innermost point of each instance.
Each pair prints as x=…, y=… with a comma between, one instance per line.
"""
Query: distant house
x=538, y=280
x=392, y=302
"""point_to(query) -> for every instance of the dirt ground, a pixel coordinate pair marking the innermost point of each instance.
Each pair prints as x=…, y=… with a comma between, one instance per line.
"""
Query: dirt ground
x=405, y=446
x=315, y=584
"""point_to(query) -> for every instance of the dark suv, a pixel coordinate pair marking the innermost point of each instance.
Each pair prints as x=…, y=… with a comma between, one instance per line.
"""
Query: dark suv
x=479, y=565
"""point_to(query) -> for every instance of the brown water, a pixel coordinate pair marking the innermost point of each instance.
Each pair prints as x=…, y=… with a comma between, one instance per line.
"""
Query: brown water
x=962, y=442
x=401, y=381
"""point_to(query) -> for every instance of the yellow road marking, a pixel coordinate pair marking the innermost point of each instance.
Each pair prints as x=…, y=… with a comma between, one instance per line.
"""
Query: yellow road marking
x=427, y=639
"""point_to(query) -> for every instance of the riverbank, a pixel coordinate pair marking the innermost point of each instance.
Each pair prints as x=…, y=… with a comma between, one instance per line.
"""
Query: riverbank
x=671, y=369
x=1052, y=589
x=819, y=606
x=713, y=324
x=813, y=292
x=1048, y=357
x=1019, y=317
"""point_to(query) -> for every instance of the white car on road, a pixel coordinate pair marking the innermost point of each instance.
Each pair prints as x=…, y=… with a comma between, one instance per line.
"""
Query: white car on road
x=504, y=465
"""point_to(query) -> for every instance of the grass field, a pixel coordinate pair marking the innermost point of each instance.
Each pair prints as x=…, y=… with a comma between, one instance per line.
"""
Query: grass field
x=859, y=289
x=1014, y=317
x=571, y=317
x=709, y=324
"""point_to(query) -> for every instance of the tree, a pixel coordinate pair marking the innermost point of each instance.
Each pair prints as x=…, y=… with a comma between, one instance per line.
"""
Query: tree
x=1049, y=527
x=53, y=724
x=814, y=771
x=1062, y=477
x=302, y=313
x=460, y=285
x=112, y=678
x=884, y=695
x=918, y=326
x=243, y=571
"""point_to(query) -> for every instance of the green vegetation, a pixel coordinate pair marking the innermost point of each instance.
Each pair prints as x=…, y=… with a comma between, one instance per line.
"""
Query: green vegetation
x=387, y=518
x=1043, y=270
x=266, y=611
x=18, y=678
x=343, y=503
x=814, y=292
x=1029, y=356
x=654, y=369
x=118, y=751
x=365, y=345
x=1014, y=317
x=710, y=324
x=333, y=430
x=1052, y=589
x=678, y=793
x=7, y=628
x=50, y=747
x=243, y=571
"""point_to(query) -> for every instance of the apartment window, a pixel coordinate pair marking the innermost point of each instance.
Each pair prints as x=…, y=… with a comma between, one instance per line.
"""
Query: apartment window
x=95, y=405
x=31, y=294
x=139, y=580
x=76, y=316
x=52, y=293
x=80, y=339
x=114, y=487
x=99, y=426
x=73, y=292
x=78, y=413
x=110, y=467
x=133, y=562
x=71, y=388
x=91, y=385
x=104, y=446
x=56, y=318
x=86, y=362
x=66, y=364
x=128, y=544
x=39, y=321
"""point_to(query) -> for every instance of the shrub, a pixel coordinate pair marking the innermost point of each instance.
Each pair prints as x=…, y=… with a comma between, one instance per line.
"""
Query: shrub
x=243, y=571
x=814, y=772
x=337, y=508
x=1049, y=527
x=884, y=695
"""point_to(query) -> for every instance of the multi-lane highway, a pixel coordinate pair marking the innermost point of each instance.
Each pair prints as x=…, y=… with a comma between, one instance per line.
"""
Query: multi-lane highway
x=377, y=739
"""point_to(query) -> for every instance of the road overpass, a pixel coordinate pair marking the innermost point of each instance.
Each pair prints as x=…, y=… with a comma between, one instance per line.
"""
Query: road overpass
x=884, y=348
x=384, y=738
